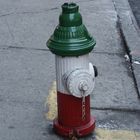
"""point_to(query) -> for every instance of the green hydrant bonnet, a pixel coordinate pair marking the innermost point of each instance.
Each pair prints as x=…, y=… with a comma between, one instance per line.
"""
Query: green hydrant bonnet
x=70, y=37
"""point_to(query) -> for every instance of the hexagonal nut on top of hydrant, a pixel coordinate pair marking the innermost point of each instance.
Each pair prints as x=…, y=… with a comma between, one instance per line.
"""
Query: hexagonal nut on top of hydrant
x=75, y=75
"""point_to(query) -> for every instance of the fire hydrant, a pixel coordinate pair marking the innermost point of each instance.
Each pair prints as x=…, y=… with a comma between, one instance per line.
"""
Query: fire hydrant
x=75, y=75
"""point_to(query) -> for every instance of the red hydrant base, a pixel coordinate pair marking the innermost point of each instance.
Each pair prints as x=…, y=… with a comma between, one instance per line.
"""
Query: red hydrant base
x=76, y=131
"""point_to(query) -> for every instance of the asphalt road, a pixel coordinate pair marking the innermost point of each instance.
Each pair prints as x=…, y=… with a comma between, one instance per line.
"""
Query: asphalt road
x=135, y=5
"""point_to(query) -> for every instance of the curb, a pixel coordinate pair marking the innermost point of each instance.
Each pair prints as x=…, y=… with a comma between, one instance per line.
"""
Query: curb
x=131, y=36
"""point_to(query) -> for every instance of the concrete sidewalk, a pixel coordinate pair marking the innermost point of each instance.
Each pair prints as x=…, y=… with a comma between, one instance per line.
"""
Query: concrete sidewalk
x=27, y=68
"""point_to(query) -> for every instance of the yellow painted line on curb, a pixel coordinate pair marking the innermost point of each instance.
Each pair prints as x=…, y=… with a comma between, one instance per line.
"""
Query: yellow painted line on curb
x=100, y=134
x=51, y=103
x=104, y=134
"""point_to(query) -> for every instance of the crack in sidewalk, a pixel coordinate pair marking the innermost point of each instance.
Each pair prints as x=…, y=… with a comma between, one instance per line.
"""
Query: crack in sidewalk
x=9, y=29
x=29, y=12
x=126, y=48
x=5, y=47
x=122, y=109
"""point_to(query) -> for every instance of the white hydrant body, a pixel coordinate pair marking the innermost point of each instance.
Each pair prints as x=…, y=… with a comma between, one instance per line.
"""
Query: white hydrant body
x=73, y=72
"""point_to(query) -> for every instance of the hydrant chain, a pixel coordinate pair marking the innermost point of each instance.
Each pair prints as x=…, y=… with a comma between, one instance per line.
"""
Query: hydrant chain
x=83, y=107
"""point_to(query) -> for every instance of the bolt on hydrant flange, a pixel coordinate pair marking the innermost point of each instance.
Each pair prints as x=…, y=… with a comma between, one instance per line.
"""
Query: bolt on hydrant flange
x=75, y=75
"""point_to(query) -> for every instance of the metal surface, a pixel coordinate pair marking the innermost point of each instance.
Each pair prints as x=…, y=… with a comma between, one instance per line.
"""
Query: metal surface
x=73, y=118
x=64, y=65
x=71, y=43
x=80, y=81
x=70, y=37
